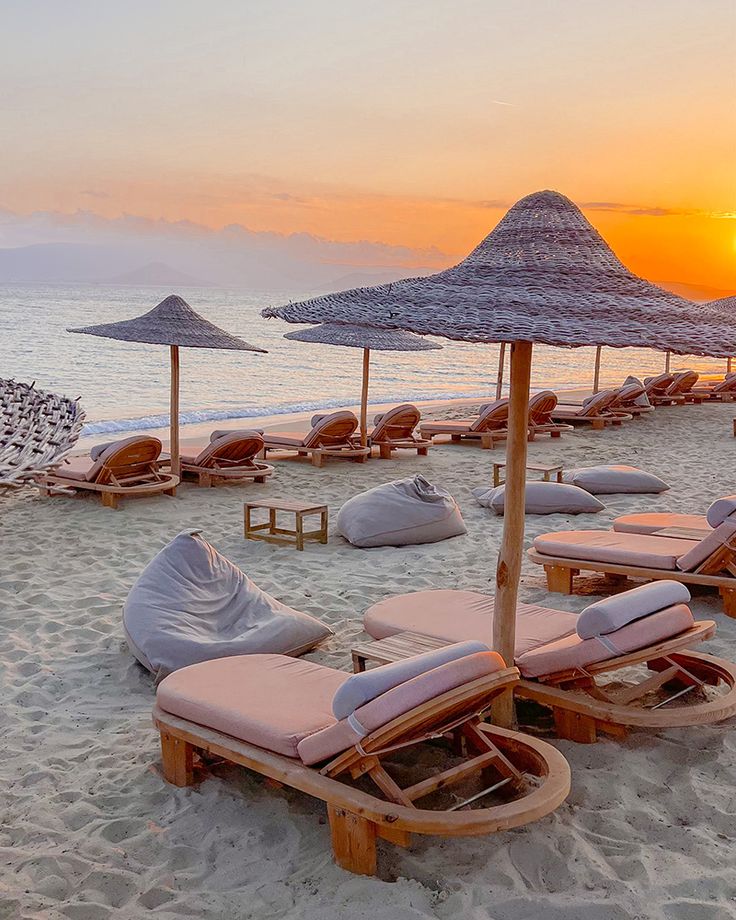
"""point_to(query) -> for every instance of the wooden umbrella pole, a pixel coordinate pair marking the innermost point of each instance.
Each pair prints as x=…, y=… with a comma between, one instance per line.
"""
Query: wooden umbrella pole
x=508, y=570
x=597, y=374
x=728, y=365
x=174, y=412
x=499, y=377
x=667, y=363
x=364, y=398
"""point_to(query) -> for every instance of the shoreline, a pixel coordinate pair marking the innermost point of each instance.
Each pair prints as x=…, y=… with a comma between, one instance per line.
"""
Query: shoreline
x=193, y=432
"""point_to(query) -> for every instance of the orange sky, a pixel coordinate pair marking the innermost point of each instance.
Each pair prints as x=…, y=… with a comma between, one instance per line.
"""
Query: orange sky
x=383, y=122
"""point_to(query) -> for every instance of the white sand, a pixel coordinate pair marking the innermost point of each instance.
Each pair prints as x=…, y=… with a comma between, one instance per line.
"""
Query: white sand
x=91, y=831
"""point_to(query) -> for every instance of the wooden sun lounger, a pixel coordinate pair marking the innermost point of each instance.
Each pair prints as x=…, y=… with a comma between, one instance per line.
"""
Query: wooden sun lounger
x=229, y=458
x=395, y=430
x=331, y=437
x=357, y=817
x=596, y=412
x=581, y=704
x=490, y=426
x=541, y=407
x=561, y=570
x=127, y=468
x=722, y=391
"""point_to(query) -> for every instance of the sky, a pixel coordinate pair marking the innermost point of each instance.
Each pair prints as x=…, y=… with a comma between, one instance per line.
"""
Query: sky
x=405, y=123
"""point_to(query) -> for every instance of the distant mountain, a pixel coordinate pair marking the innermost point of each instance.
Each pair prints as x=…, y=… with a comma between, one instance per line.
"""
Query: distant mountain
x=155, y=273
x=373, y=277
x=697, y=292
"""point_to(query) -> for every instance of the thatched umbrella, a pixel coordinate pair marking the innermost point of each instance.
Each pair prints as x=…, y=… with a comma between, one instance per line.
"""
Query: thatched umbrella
x=724, y=307
x=543, y=275
x=369, y=338
x=172, y=323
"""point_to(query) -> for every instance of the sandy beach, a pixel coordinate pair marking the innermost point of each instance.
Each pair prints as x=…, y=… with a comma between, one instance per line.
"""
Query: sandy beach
x=91, y=830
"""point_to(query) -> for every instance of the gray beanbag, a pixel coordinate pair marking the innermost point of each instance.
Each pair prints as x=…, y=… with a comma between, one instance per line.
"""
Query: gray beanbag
x=543, y=498
x=400, y=513
x=191, y=604
x=606, y=480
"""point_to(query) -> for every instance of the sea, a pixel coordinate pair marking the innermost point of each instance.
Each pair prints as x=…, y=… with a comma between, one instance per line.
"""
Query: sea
x=125, y=386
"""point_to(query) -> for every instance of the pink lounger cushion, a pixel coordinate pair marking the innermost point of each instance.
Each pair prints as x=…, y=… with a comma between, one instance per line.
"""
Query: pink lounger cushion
x=81, y=469
x=650, y=523
x=703, y=550
x=458, y=616
x=573, y=652
x=271, y=701
x=342, y=735
x=608, y=546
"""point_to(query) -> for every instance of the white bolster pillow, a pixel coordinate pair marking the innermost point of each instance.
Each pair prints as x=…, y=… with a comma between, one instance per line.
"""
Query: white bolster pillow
x=360, y=689
x=608, y=615
x=720, y=510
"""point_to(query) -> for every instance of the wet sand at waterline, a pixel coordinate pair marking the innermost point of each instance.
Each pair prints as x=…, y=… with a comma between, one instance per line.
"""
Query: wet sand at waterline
x=90, y=830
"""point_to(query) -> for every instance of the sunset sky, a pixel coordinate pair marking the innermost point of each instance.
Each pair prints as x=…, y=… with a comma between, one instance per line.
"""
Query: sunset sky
x=409, y=122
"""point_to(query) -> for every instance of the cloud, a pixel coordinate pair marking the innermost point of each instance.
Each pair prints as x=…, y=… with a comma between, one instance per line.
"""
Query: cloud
x=645, y=211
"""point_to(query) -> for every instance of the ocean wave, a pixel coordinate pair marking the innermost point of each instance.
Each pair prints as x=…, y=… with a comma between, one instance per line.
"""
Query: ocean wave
x=145, y=422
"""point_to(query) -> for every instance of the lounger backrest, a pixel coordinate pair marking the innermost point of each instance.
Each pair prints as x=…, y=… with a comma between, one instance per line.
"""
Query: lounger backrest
x=494, y=416
x=125, y=459
x=627, y=395
x=397, y=424
x=334, y=430
x=393, y=715
x=658, y=384
x=598, y=403
x=708, y=546
x=541, y=406
x=684, y=382
x=237, y=448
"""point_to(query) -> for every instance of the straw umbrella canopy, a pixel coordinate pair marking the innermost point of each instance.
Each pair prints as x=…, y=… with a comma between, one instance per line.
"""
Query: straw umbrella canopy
x=174, y=323
x=543, y=275
x=724, y=307
x=369, y=338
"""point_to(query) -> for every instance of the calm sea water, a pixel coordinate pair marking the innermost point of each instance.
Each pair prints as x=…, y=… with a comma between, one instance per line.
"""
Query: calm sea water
x=125, y=386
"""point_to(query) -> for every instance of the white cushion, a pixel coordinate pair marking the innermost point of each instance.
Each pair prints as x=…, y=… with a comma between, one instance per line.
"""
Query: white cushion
x=366, y=686
x=720, y=510
x=543, y=498
x=606, y=480
x=612, y=613
x=190, y=604
x=400, y=513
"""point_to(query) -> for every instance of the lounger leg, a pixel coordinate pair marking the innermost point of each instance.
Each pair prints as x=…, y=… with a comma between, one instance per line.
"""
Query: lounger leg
x=384, y=451
x=556, y=434
x=597, y=424
x=422, y=451
x=353, y=841
x=574, y=727
x=559, y=579
x=109, y=500
x=317, y=458
x=456, y=437
x=177, y=757
x=205, y=480
x=729, y=601
x=486, y=441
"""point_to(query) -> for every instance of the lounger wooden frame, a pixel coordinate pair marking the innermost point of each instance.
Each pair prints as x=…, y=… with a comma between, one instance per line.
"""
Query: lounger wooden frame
x=256, y=470
x=581, y=708
x=560, y=572
x=403, y=421
x=358, y=818
x=126, y=479
x=318, y=455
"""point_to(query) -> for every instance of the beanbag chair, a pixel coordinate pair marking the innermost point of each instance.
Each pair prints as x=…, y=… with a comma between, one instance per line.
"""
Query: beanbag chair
x=191, y=604
x=400, y=513
x=606, y=480
x=543, y=498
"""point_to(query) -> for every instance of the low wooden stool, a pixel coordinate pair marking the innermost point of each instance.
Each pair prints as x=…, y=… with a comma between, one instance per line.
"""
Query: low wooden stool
x=547, y=470
x=273, y=534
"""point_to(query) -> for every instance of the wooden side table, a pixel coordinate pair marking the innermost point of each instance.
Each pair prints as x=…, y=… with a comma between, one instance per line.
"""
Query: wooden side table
x=275, y=534
x=394, y=648
x=547, y=471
